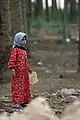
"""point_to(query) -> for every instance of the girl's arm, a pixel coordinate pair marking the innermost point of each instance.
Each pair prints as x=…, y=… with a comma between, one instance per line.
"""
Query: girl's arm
x=12, y=59
x=29, y=67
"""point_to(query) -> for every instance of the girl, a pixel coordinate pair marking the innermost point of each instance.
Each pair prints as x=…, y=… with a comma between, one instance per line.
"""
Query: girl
x=18, y=63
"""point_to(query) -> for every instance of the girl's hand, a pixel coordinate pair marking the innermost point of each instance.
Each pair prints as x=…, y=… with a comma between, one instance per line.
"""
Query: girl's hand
x=30, y=71
x=13, y=72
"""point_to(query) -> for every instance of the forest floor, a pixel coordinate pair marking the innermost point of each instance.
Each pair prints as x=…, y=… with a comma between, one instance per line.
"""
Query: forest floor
x=56, y=65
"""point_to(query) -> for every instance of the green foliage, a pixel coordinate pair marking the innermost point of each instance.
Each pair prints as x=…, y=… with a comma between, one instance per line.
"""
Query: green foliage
x=42, y=23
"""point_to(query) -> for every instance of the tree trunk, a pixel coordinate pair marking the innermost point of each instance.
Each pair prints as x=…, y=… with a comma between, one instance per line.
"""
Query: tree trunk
x=4, y=33
x=16, y=16
x=24, y=14
x=6, y=21
x=1, y=38
x=47, y=11
x=38, y=8
x=9, y=20
x=53, y=9
x=29, y=14
x=66, y=6
x=72, y=10
x=79, y=38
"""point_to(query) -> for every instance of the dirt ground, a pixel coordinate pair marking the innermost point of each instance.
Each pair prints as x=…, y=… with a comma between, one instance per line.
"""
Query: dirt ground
x=59, y=66
x=56, y=66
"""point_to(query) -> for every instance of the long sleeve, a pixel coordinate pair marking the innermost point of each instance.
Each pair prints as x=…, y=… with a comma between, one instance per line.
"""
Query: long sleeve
x=29, y=67
x=12, y=59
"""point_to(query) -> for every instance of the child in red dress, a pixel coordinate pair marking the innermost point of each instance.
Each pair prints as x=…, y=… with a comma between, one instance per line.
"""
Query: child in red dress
x=18, y=63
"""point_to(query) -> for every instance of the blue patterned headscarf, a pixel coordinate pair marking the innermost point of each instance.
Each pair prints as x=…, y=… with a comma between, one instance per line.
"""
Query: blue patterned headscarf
x=18, y=37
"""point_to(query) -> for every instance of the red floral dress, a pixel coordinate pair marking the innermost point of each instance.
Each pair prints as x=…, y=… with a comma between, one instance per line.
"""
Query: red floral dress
x=20, y=82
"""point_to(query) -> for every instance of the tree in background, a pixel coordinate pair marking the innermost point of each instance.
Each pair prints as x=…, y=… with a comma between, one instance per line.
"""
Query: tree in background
x=47, y=11
x=16, y=13
x=11, y=21
x=38, y=8
x=72, y=13
x=24, y=13
x=66, y=2
x=53, y=9
x=5, y=30
x=79, y=37
x=29, y=15
x=1, y=40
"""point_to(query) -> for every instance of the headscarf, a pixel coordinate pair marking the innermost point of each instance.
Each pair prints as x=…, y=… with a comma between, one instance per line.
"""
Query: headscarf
x=17, y=39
